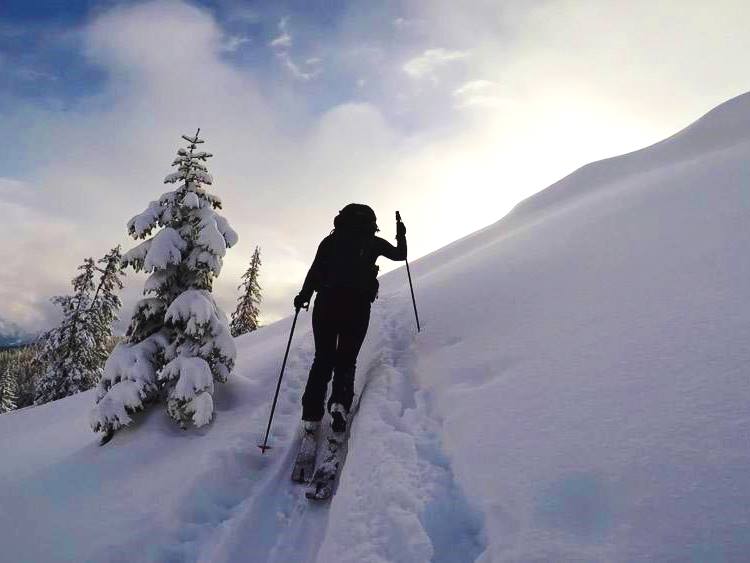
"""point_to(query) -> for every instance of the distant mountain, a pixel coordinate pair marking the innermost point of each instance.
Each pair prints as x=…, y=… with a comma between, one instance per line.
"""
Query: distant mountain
x=13, y=335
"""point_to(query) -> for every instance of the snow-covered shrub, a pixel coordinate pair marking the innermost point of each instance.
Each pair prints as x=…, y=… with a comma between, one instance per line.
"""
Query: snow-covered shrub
x=178, y=342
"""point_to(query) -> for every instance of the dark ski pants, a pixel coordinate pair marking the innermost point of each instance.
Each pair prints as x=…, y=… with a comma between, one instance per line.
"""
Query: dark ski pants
x=340, y=320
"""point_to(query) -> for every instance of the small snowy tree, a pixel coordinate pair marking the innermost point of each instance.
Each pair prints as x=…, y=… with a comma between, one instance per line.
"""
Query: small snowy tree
x=8, y=390
x=67, y=352
x=245, y=317
x=178, y=342
x=105, y=305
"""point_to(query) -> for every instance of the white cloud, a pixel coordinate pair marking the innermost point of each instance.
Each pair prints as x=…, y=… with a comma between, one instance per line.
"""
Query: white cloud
x=300, y=72
x=284, y=39
x=430, y=61
x=478, y=94
x=282, y=44
x=35, y=257
x=548, y=91
x=234, y=42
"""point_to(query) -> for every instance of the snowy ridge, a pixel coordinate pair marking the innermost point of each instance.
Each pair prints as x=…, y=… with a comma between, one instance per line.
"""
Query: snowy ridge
x=578, y=393
x=721, y=128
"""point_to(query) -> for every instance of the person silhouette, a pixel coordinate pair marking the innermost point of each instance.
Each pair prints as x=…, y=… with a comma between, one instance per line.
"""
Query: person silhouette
x=344, y=275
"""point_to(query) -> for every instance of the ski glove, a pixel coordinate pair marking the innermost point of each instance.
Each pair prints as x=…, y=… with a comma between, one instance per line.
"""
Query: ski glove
x=301, y=302
x=400, y=229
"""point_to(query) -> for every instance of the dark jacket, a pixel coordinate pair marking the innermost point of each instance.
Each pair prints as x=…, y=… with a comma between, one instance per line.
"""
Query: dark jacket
x=344, y=261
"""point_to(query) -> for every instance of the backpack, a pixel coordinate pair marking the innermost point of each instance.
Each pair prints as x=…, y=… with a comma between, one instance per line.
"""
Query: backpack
x=357, y=219
x=352, y=264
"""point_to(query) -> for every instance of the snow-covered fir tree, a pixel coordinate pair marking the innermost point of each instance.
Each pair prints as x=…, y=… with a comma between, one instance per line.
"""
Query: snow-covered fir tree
x=8, y=390
x=245, y=317
x=72, y=355
x=67, y=352
x=105, y=305
x=24, y=365
x=178, y=342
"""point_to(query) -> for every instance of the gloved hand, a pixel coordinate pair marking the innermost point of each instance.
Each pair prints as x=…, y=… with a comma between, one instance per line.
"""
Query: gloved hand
x=301, y=302
x=400, y=229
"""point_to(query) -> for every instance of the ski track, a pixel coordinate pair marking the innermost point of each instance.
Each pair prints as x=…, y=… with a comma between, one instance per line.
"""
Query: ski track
x=395, y=450
x=244, y=506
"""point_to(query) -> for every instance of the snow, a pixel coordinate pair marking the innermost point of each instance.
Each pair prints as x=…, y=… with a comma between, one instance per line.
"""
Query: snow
x=194, y=386
x=230, y=236
x=578, y=392
x=173, y=177
x=195, y=308
x=165, y=250
x=210, y=237
x=129, y=378
x=191, y=200
x=142, y=224
x=193, y=375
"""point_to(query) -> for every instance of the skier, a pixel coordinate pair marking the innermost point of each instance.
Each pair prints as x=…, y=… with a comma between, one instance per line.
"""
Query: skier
x=345, y=276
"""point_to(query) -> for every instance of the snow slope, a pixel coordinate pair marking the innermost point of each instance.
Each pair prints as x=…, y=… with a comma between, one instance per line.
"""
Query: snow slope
x=579, y=392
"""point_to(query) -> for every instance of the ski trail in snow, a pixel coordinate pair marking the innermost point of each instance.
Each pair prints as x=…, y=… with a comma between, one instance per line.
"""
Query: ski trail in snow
x=278, y=523
x=211, y=521
x=398, y=500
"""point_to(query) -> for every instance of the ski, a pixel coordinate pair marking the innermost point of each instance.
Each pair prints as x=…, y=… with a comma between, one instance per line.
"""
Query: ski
x=304, y=463
x=321, y=486
x=326, y=474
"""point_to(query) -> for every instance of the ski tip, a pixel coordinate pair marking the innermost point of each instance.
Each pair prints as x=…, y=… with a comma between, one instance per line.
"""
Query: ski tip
x=263, y=448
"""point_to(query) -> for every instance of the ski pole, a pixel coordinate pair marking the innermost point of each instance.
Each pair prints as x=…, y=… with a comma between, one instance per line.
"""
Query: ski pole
x=265, y=447
x=411, y=286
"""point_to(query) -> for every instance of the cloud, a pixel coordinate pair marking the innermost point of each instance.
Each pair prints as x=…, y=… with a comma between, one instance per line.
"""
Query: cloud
x=525, y=93
x=308, y=69
x=34, y=257
x=478, y=94
x=234, y=42
x=430, y=61
x=281, y=45
x=284, y=39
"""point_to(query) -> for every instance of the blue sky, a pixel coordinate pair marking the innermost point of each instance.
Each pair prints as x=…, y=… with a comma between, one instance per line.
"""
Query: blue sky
x=451, y=112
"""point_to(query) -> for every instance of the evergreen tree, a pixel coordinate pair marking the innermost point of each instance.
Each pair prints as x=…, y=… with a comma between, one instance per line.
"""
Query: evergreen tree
x=24, y=366
x=67, y=351
x=72, y=355
x=245, y=317
x=8, y=390
x=178, y=342
x=105, y=305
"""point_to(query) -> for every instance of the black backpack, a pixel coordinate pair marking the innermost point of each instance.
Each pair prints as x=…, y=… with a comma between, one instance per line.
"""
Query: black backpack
x=357, y=219
x=352, y=263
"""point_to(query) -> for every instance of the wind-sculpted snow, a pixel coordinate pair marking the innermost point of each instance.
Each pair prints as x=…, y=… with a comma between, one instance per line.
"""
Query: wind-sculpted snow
x=578, y=392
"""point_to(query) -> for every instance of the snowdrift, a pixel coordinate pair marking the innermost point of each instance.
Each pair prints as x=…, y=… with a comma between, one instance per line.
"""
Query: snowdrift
x=579, y=392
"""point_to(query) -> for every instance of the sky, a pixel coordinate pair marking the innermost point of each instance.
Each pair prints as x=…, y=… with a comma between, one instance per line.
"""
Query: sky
x=450, y=112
